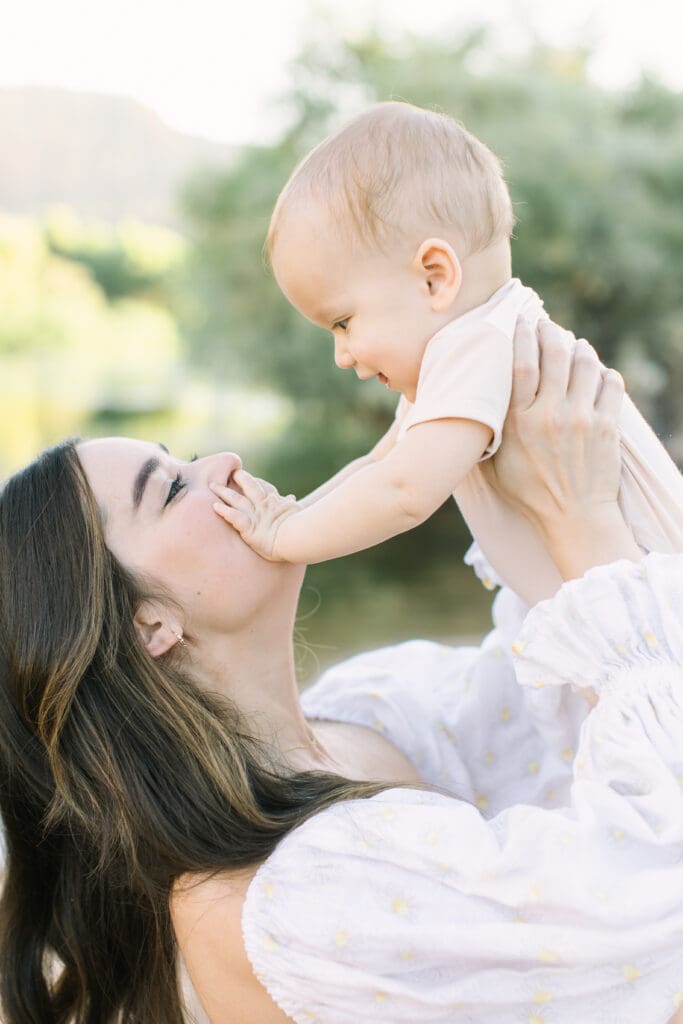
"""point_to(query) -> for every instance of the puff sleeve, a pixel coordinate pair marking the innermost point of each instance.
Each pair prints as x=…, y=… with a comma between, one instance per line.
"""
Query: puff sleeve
x=410, y=906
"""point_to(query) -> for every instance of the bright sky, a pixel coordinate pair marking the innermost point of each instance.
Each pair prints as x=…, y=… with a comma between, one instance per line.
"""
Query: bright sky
x=213, y=67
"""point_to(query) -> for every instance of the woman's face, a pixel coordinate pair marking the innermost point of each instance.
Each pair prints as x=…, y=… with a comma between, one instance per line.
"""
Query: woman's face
x=159, y=520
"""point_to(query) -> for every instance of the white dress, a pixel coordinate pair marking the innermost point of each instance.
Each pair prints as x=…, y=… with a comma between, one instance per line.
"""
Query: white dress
x=548, y=888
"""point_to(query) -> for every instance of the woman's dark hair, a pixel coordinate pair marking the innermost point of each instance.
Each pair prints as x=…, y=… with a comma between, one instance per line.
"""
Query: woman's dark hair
x=118, y=774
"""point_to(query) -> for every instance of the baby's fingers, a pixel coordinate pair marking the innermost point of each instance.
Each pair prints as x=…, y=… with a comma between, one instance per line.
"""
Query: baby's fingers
x=233, y=498
x=268, y=488
x=235, y=517
x=252, y=487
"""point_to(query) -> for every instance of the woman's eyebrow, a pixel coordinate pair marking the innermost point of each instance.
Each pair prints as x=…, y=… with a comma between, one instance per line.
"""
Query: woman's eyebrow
x=143, y=476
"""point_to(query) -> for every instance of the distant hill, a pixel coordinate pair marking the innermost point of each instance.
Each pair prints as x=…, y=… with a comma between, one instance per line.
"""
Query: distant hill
x=107, y=157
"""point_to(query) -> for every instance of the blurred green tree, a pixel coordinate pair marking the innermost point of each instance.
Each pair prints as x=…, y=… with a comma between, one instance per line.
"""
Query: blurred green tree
x=131, y=259
x=597, y=182
x=67, y=354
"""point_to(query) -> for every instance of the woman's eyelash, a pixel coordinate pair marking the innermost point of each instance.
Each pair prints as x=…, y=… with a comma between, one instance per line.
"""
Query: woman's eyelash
x=342, y=324
x=175, y=488
x=178, y=484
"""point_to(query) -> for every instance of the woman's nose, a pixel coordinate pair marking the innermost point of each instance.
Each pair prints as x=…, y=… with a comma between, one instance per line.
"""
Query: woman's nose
x=222, y=466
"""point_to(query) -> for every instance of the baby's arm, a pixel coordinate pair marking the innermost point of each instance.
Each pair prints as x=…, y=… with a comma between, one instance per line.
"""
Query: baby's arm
x=382, y=448
x=378, y=501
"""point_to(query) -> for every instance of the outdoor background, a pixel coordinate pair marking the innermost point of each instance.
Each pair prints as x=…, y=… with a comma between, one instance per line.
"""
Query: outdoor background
x=133, y=294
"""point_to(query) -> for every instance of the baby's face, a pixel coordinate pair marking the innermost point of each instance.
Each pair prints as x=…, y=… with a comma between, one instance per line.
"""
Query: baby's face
x=376, y=305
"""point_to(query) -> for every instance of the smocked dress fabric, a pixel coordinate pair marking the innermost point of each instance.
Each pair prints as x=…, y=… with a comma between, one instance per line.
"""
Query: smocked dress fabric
x=548, y=888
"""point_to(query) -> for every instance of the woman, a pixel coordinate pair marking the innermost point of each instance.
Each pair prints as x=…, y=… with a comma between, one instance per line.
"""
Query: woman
x=163, y=788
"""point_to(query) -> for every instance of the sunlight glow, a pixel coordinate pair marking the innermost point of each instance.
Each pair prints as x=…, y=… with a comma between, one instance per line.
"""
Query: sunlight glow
x=208, y=71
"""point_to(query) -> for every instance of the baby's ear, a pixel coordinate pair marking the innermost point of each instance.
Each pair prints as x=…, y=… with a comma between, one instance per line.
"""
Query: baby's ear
x=438, y=265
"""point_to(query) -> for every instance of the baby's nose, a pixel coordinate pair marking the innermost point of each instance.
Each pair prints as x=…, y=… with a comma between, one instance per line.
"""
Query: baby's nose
x=342, y=356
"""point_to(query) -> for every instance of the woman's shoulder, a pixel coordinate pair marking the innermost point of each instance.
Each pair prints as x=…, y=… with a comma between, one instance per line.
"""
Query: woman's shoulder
x=235, y=929
x=219, y=918
x=206, y=911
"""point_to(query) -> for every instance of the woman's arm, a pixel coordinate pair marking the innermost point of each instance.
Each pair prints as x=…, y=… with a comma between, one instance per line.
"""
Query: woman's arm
x=559, y=462
x=207, y=919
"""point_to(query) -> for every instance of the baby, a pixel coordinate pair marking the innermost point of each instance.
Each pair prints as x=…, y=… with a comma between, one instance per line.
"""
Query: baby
x=394, y=234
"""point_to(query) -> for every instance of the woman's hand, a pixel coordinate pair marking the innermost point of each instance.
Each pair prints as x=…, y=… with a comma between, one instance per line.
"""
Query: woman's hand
x=560, y=450
x=559, y=461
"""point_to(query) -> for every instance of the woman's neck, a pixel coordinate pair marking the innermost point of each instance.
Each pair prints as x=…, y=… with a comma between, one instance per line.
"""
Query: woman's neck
x=255, y=668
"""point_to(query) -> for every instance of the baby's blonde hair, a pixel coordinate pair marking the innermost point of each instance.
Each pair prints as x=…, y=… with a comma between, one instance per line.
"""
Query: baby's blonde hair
x=400, y=169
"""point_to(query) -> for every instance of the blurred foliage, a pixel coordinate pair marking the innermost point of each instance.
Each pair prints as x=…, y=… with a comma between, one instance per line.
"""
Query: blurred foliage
x=68, y=354
x=131, y=329
x=597, y=182
x=129, y=259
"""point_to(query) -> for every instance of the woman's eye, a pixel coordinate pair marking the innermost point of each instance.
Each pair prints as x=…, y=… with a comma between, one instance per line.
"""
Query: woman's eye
x=341, y=325
x=176, y=486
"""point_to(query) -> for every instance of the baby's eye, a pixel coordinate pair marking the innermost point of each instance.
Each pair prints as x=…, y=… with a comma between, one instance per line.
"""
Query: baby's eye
x=341, y=325
x=175, y=488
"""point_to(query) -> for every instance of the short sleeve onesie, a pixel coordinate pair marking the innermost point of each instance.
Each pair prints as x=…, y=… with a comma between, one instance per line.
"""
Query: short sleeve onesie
x=466, y=373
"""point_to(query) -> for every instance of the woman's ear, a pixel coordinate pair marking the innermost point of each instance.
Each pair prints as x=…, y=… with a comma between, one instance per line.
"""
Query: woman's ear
x=156, y=630
x=437, y=263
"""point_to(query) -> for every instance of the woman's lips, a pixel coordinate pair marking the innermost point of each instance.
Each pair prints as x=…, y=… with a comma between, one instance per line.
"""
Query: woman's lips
x=382, y=379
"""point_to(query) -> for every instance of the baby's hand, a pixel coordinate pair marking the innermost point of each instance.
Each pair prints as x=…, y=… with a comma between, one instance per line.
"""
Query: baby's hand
x=257, y=513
